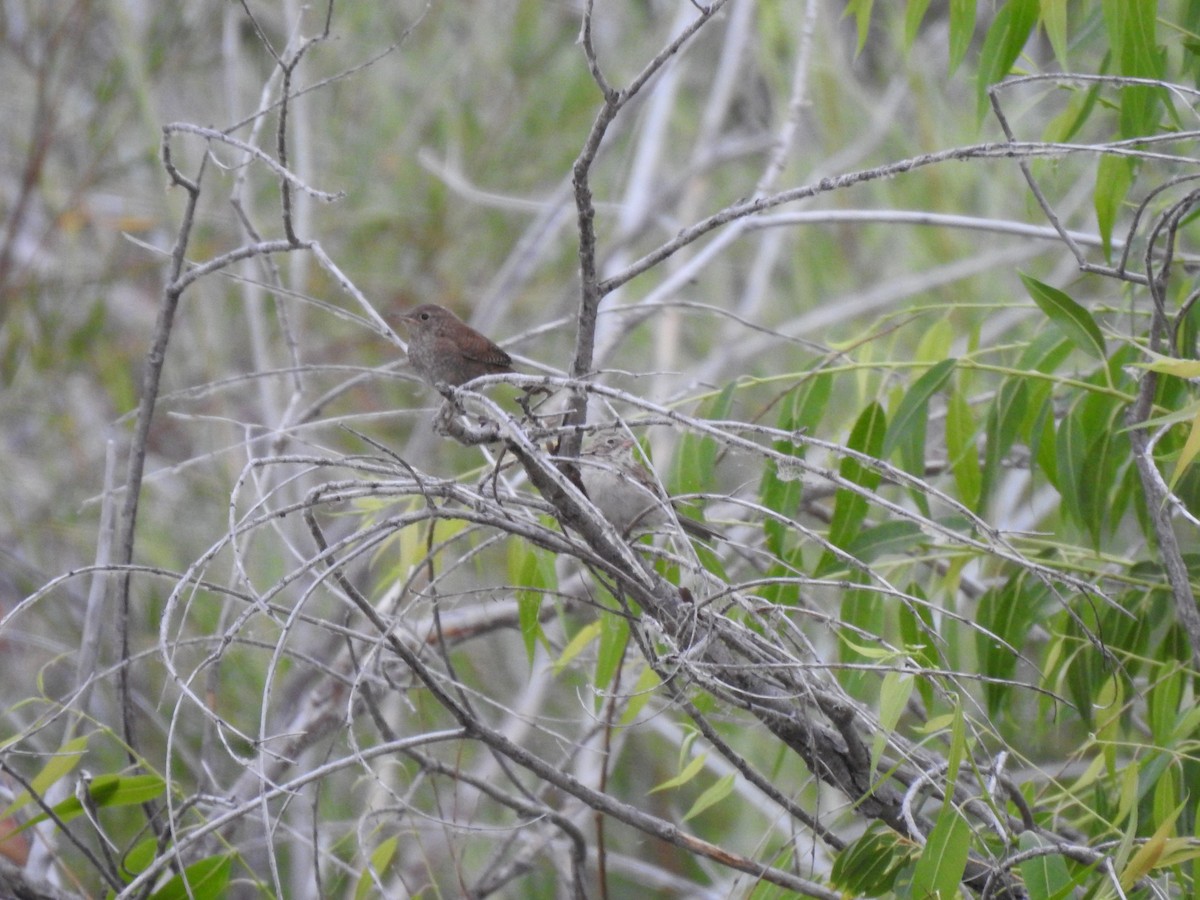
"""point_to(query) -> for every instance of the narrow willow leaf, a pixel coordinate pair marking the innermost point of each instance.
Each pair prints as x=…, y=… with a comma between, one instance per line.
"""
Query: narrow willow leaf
x=712, y=796
x=1078, y=110
x=920, y=636
x=1095, y=486
x=60, y=764
x=640, y=695
x=1109, y=699
x=961, y=449
x=1131, y=26
x=936, y=342
x=1005, y=616
x=944, y=858
x=533, y=571
x=1005, y=39
x=913, y=411
x=894, y=692
x=868, y=867
x=940, y=869
x=1070, y=456
x=861, y=10
x=1162, y=700
x=1179, y=850
x=1188, y=454
x=1182, y=368
x=886, y=538
x=1046, y=352
x=863, y=612
x=804, y=412
x=1075, y=321
x=1054, y=21
x=690, y=771
x=1041, y=445
x=696, y=457
x=1046, y=875
x=614, y=635
x=203, y=880
x=381, y=857
x=583, y=637
x=1005, y=417
x=108, y=791
x=1127, y=805
x=1166, y=810
x=962, y=30
x=1114, y=178
x=850, y=508
x=912, y=21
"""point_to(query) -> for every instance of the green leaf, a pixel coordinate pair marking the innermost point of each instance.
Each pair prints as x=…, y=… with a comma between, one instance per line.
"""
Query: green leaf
x=203, y=880
x=863, y=612
x=381, y=856
x=139, y=858
x=614, y=635
x=850, y=509
x=1042, y=446
x=1070, y=456
x=1181, y=368
x=108, y=791
x=1045, y=353
x=1005, y=39
x=1046, y=875
x=892, y=537
x=1075, y=322
x=962, y=31
x=1005, y=616
x=1163, y=699
x=61, y=763
x=583, y=637
x=919, y=635
x=913, y=17
x=1095, y=488
x=1078, y=110
x=695, y=462
x=690, y=771
x=1100, y=417
x=533, y=571
x=861, y=10
x=1005, y=417
x=944, y=858
x=1054, y=21
x=962, y=451
x=712, y=796
x=696, y=457
x=803, y=413
x=1188, y=454
x=640, y=696
x=913, y=412
x=894, y=692
x=1114, y=178
x=1131, y=26
x=936, y=342
x=940, y=869
x=868, y=867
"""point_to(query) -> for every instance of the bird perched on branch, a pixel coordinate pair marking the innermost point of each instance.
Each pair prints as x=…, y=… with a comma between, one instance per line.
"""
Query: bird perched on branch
x=625, y=491
x=443, y=349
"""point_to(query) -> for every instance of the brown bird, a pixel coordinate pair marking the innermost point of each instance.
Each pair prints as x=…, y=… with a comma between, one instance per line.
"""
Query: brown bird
x=625, y=491
x=444, y=349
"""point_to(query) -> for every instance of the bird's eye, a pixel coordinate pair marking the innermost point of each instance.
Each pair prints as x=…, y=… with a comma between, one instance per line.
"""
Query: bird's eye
x=424, y=317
